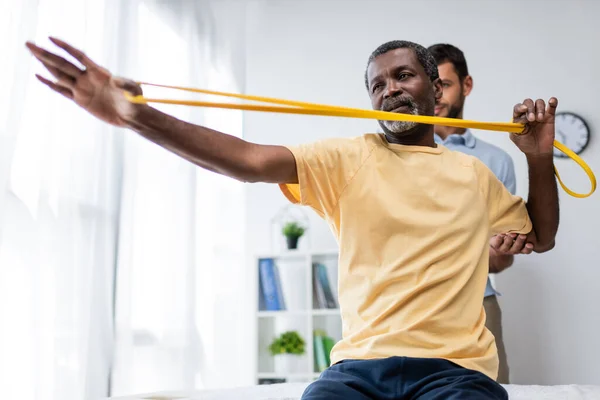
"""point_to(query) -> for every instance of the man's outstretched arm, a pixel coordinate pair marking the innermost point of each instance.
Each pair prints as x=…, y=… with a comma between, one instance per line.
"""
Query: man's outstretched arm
x=215, y=151
x=102, y=95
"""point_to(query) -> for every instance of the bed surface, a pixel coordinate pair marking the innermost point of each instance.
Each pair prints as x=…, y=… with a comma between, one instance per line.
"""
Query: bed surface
x=293, y=391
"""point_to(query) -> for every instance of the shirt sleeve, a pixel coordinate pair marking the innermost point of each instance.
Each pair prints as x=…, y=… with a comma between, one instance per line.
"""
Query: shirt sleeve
x=324, y=170
x=507, y=212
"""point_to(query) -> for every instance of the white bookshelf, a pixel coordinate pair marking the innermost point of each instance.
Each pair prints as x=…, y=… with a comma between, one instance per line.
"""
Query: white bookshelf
x=300, y=314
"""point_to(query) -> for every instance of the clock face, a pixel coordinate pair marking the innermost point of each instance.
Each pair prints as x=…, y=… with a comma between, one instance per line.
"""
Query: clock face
x=572, y=131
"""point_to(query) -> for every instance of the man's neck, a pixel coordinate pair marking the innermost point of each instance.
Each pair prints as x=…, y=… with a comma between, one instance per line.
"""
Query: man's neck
x=422, y=136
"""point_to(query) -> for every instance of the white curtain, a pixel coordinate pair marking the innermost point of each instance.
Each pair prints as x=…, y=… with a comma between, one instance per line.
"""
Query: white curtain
x=180, y=224
x=78, y=198
x=59, y=199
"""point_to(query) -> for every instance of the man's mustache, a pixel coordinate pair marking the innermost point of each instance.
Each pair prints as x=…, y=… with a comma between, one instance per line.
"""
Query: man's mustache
x=395, y=102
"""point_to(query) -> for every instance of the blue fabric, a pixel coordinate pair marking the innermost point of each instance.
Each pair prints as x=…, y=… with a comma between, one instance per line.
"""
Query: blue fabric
x=496, y=159
x=402, y=378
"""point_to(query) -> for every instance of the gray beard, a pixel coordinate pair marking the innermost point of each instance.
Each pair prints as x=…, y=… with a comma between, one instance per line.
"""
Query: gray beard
x=401, y=126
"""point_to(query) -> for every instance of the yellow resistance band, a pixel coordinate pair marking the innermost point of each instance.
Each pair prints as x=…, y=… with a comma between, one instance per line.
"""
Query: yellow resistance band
x=299, y=107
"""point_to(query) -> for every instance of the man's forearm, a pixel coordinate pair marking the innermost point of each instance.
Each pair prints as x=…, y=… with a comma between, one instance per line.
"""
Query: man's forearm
x=207, y=148
x=542, y=203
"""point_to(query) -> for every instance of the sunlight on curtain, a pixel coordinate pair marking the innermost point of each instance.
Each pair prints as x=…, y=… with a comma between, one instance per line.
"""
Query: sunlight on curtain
x=155, y=260
x=177, y=220
x=58, y=207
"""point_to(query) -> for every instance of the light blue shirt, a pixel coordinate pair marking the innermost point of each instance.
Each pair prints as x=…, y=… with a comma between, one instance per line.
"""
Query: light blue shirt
x=496, y=159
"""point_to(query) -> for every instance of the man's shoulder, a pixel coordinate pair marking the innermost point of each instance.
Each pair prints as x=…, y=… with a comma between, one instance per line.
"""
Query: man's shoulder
x=341, y=152
x=367, y=140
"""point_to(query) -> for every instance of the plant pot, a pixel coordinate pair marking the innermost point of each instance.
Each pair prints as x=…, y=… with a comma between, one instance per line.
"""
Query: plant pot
x=292, y=242
x=289, y=364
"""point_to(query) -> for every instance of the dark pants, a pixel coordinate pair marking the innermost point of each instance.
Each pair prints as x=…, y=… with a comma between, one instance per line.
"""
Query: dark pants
x=402, y=378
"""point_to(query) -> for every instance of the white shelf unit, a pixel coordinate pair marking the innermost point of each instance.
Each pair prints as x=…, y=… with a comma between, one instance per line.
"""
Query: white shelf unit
x=300, y=313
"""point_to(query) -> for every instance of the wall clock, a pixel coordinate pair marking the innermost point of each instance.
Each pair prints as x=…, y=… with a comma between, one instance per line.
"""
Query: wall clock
x=571, y=130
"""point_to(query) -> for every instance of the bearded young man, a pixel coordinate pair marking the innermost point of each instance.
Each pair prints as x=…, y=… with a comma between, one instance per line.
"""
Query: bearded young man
x=457, y=84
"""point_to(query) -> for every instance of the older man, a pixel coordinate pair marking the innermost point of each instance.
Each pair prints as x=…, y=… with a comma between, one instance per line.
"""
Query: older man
x=412, y=218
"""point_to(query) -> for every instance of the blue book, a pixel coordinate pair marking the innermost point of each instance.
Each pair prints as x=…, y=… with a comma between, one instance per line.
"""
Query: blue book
x=268, y=284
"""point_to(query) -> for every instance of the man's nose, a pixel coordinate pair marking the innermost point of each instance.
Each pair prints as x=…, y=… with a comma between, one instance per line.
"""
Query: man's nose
x=392, y=89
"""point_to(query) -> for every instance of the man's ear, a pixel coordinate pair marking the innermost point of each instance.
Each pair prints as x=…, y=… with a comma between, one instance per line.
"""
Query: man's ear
x=467, y=85
x=438, y=89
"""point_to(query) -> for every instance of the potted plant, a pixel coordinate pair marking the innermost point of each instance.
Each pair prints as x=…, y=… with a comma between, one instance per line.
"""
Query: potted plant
x=287, y=349
x=293, y=231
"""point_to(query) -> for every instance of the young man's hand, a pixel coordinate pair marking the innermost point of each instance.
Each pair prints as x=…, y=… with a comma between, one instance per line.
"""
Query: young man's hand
x=510, y=244
x=504, y=247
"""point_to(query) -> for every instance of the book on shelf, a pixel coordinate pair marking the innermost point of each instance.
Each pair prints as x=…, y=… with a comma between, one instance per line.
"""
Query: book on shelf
x=271, y=296
x=322, y=294
x=322, y=345
x=271, y=381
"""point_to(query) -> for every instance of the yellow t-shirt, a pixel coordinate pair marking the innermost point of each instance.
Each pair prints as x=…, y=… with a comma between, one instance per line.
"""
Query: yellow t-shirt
x=413, y=225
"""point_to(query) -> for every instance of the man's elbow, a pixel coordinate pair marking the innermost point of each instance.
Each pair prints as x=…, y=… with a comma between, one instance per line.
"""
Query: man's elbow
x=544, y=247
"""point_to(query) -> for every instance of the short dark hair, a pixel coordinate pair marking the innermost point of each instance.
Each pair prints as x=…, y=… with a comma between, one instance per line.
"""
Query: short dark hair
x=423, y=55
x=443, y=52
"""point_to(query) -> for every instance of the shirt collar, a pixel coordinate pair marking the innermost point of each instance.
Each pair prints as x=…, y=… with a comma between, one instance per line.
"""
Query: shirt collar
x=467, y=139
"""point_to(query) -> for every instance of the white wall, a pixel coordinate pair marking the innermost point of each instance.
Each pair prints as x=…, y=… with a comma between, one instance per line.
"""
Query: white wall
x=317, y=50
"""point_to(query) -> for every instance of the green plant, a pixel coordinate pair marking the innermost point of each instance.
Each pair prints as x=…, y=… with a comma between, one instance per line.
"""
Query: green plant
x=293, y=229
x=289, y=342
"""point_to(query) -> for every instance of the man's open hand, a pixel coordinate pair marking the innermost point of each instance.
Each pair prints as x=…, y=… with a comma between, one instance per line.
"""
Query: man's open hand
x=92, y=88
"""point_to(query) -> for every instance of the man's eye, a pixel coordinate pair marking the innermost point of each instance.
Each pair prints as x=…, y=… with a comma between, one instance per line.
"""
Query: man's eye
x=445, y=85
x=402, y=76
x=376, y=87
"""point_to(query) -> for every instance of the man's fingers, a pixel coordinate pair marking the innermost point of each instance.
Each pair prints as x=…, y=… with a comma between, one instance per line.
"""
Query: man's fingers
x=530, y=109
x=540, y=109
x=552, y=104
x=57, y=88
x=511, y=244
x=54, y=60
x=76, y=53
x=518, y=244
x=62, y=78
x=519, y=110
x=528, y=249
x=506, y=244
x=496, y=241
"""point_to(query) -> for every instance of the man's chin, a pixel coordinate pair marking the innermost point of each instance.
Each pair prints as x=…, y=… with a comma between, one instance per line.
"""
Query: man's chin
x=399, y=132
